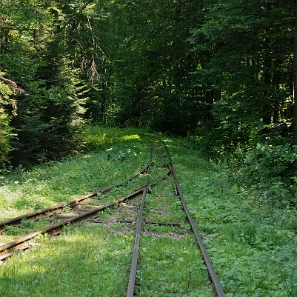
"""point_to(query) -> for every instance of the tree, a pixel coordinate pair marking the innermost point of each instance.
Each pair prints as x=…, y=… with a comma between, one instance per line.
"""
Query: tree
x=34, y=53
x=294, y=78
x=150, y=67
x=248, y=45
x=5, y=132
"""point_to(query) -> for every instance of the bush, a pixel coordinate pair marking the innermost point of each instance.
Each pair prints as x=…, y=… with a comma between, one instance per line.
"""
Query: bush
x=266, y=172
x=269, y=161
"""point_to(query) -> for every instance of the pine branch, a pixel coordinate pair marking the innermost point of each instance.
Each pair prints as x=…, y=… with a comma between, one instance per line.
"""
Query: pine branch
x=13, y=85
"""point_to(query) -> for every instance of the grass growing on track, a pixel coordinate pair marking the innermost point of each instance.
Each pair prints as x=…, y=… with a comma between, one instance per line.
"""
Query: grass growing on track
x=253, y=247
x=175, y=270
x=170, y=262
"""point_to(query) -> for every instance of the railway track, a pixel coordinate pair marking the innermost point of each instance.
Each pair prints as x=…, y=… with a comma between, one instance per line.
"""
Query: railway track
x=146, y=224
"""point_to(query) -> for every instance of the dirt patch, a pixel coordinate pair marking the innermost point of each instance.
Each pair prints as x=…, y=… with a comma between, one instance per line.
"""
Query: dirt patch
x=122, y=219
x=123, y=212
x=172, y=235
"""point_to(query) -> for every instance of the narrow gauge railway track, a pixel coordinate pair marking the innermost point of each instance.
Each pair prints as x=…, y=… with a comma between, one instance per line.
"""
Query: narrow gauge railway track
x=85, y=213
x=135, y=280
x=133, y=285
x=50, y=211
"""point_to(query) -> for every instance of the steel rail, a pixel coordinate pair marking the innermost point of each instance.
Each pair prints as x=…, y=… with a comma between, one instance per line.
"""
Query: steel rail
x=156, y=182
x=51, y=210
x=5, y=250
x=41, y=212
x=133, y=268
x=213, y=276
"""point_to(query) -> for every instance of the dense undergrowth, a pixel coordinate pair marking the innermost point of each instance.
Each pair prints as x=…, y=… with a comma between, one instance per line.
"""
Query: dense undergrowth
x=249, y=228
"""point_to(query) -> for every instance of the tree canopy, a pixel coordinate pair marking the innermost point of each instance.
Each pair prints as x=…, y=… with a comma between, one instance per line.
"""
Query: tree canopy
x=218, y=70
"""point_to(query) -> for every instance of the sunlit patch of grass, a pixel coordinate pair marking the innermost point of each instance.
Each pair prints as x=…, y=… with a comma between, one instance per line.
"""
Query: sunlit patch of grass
x=4, y=238
x=85, y=261
x=103, y=137
x=131, y=137
x=25, y=191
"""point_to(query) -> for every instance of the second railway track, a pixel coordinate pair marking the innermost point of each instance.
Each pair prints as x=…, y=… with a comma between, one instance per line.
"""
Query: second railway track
x=165, y=233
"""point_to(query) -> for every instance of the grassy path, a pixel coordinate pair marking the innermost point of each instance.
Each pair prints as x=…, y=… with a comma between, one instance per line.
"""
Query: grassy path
x=252, y=246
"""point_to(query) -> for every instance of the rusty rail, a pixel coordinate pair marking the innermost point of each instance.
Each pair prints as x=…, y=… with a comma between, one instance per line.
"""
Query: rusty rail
x=6, y=250
x=23, y=243
x=133, y=268
x=51, y=210
x=212, y=274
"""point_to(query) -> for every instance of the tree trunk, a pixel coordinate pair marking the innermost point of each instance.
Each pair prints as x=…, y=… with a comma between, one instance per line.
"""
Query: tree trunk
x=294, y=121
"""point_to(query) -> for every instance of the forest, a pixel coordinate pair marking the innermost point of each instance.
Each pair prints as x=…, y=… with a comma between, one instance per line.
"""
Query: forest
x=81, y=82
x=221, y=74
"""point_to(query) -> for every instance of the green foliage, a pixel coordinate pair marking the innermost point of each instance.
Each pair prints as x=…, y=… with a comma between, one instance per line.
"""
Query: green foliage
x=151, y=86
x=214, y=69
x=4, y=137
x=267, y=172
x=251, y=241
x=5, y=131
x=36, y=54
x=268, y=161
x=243, y=234
x=243, y=67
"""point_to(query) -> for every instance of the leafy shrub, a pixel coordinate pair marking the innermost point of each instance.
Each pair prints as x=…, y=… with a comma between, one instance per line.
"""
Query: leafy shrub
x=266, y=172
x=268, y=161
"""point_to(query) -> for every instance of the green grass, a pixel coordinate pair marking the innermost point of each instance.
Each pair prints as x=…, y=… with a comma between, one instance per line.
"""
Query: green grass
x=176, y=269
x=253, y=251
x=24, y=191
x=80, y=262
x=253, y=245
